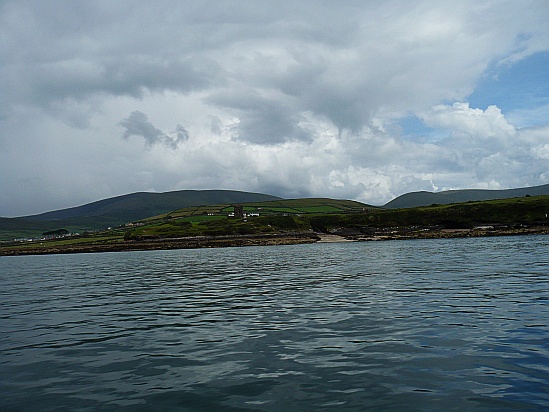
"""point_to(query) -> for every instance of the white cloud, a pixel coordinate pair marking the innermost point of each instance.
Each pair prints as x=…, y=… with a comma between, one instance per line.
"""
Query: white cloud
x=291, y=98
x=462, y=119
x=541, y=151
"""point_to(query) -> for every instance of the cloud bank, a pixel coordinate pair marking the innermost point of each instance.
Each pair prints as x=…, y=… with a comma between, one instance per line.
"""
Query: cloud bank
x=305, y=99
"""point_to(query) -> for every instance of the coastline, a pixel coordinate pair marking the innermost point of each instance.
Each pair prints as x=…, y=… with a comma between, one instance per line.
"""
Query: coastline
x=263, y=240
x=164, y=244
x=453, y=233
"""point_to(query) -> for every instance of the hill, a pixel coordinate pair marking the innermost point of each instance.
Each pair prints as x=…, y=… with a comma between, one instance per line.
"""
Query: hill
x=424, y=198
x=203, y=219
x=303, y=221
x=120, y=210
x=259, y=217
x=270, y=207
x=136, y=206
x=522, y=211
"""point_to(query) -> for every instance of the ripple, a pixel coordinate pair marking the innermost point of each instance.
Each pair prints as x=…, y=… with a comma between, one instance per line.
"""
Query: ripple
x=444, y=324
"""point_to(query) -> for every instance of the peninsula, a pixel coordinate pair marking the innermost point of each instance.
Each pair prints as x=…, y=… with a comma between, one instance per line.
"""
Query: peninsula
x=296, y=221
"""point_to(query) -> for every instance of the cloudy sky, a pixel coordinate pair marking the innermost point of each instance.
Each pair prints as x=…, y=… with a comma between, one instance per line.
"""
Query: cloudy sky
x=361, y=100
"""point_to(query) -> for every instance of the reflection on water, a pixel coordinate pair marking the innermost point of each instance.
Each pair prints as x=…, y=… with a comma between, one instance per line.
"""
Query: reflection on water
x=407, y=325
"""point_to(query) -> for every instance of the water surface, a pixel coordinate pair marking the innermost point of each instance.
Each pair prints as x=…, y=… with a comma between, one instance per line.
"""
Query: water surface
x=419, y=325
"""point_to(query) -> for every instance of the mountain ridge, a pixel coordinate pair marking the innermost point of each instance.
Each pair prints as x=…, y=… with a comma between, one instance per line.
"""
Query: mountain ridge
x=164, y=201
x=119, y=210
x=426, y=198
x=126, y=208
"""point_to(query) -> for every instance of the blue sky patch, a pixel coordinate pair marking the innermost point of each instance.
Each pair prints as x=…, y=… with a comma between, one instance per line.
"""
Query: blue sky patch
x=519, y=88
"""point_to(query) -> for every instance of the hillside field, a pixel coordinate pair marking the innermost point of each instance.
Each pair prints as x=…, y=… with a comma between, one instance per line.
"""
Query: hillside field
x=309, y=216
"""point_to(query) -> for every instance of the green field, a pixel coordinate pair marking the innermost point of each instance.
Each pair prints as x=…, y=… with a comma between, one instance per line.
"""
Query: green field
x=532, y=210
x=318, y=215
x=289, y=206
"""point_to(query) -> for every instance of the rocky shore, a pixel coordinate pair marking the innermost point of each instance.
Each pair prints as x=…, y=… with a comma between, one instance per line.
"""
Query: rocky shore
x=163, y=244
x=450, y=233
x=266, y=240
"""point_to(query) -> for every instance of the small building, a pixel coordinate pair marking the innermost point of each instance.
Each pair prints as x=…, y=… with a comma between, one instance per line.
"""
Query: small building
x=238, y=211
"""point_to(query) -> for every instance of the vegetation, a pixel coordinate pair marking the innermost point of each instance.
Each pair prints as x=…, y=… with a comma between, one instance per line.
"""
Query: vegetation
x=307, y=216
x=417, y=199
x=263, y=217
x=119, y=210
x=520, y=211
x=57, y=232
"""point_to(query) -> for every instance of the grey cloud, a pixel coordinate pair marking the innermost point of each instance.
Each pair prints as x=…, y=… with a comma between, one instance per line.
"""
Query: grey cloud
x=137, y=124
x=262, y=120
x=264, y=73
x=80, y=50
x=71, y=54
x=344, y=63
x=270, y=123
x=216, y=125
x=349, y=103
x=78, y=79
x=181, y=135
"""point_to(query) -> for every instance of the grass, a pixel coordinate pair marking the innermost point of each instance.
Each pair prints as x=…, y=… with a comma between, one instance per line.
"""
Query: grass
x=322, y=215
x=517, y=211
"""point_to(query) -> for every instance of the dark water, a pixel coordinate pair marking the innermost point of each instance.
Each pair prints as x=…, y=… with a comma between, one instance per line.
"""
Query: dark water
x=407, y=325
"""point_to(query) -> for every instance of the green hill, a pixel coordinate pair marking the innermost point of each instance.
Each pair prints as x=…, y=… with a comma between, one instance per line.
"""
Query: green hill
x=270, y=207
x=340, y=216
x=199, y=213
x=531, y=210
x=205, y=219
x=120, y=210
x=260, y=217
x=214, y=225
x=423, y=198
x=140, y=205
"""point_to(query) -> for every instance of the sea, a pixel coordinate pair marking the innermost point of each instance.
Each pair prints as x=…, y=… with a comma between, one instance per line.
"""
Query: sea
x=418, y=325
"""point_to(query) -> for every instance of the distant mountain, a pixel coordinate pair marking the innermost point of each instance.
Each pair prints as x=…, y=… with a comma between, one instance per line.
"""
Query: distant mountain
x=423, y=198
x=141, y=205
x=127, y=208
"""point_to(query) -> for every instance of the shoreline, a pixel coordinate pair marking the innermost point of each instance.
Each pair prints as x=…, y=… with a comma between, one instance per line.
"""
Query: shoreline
x=263, y=240
x=197, y=242
x=453, y=233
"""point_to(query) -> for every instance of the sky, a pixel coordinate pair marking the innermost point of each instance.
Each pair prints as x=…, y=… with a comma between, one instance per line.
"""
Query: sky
x=362, y=100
